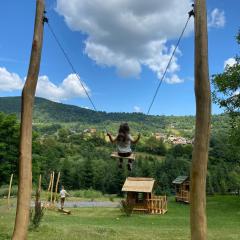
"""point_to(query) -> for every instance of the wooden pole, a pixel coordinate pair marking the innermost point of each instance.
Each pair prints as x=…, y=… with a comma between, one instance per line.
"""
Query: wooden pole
x=56, y=188
x=38, y=191
x=25, y=148
x=51, y=199
x=202, y=129
x=50, y=183
x=49, y=188
x=9, y=190
x=40, y=183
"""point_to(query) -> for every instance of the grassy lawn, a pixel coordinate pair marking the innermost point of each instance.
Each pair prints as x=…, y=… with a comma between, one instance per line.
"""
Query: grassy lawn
x=108, y=223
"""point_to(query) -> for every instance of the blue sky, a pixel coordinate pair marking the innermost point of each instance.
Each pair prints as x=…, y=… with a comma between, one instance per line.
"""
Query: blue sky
x=118, y=54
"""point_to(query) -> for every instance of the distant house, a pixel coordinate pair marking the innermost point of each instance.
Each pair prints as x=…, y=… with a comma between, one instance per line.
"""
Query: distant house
x=160, y=136
x=178, y=140
x=86, y=130
x=90, y=130
x=182, y=187
x=93, y=130
x=140, y=195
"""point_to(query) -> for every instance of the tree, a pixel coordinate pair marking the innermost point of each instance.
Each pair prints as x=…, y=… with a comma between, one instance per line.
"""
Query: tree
x=9, y=141
x=227, y=92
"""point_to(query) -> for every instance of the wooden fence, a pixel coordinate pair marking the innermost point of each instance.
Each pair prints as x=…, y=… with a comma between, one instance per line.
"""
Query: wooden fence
x=157, y=205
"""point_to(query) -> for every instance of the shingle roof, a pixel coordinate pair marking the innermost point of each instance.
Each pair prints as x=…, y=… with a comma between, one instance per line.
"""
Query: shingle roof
x=138, y=185
x=180, y=179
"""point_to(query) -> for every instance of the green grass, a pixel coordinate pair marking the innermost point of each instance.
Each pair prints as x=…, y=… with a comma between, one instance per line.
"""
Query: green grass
x=109, y=224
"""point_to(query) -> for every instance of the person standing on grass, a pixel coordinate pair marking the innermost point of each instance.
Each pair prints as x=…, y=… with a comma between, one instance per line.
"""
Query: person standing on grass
x=63, y=194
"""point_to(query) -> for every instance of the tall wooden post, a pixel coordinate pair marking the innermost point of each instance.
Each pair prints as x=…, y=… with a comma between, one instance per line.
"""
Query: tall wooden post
x=51, y=198
x=56, y=188
x=25, y=148
x=202, y=132
x=38, y=191
x=9, y=190
x=40, y=183
x=50, y=183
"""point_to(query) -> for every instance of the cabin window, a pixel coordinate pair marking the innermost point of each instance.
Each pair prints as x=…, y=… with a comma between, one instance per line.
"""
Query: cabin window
x=178, y=188
x=140, y=197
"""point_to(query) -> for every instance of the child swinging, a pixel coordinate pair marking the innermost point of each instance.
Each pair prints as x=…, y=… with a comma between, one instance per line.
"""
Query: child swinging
x=124, y=141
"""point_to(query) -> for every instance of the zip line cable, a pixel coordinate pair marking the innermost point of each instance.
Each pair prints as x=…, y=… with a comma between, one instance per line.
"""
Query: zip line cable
x=71, y=65
x=191, y=13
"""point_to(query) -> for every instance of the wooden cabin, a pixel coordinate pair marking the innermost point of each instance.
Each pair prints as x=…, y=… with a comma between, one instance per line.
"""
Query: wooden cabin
x=140, y=194
x=182, y=186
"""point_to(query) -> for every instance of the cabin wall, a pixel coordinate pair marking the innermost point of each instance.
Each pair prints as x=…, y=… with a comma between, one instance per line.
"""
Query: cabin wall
x=183, y=192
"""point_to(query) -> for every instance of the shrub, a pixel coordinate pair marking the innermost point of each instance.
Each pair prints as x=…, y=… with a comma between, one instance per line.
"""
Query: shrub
x=126, y=207
x=4, y=191
x=36, y=215
x=89, y=193
x=111, y=198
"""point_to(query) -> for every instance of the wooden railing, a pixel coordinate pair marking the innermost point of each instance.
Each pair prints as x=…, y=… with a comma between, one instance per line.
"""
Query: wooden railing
x=157, y=205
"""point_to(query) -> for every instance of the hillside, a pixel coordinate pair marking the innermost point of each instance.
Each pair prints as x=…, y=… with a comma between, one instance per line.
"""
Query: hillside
x=48, y=112
x=45, y=111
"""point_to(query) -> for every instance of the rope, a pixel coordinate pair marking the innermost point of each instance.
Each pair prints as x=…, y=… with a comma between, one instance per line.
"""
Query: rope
x=72, y=67
x=169, y=62
x=190, y=14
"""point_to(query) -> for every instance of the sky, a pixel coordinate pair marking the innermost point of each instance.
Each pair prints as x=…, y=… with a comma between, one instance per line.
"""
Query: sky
x=120, y=49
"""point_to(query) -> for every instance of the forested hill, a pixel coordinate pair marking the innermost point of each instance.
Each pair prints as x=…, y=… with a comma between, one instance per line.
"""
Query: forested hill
x=46, y=111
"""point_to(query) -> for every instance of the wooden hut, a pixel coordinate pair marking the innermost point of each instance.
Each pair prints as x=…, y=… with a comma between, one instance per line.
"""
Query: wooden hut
x=140, y=194
x=182, y=186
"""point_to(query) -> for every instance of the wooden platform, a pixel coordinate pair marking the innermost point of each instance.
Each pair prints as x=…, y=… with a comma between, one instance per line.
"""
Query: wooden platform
x=131, y=157
x=64, y=211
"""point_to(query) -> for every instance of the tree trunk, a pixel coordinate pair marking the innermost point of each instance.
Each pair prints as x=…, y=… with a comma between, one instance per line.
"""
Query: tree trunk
x=202, y=132
x=25, y=148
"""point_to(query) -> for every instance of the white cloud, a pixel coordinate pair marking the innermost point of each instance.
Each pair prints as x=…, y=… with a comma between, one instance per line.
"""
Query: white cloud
x=128, y=34
x=68, y=89
x=217, y=18
x=174, y=79
x=9, y=81
x=236, y=93
x=230, y=62
x=136, y=109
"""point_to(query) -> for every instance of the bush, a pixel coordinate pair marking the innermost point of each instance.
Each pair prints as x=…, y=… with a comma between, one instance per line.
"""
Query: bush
x=89, y=193
x=4, y=191
x=126, y=207
x=36, y=215
x=111, y=198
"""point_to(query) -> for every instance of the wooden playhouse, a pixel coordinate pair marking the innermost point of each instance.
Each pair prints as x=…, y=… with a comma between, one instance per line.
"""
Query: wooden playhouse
x=140, y=194
x=182, y=187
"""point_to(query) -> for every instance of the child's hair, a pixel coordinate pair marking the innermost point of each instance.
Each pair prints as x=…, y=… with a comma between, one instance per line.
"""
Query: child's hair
x=123, y=133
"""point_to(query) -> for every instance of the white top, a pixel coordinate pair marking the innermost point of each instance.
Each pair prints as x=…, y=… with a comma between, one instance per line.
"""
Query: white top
x=125, y=147
x=63, y=193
